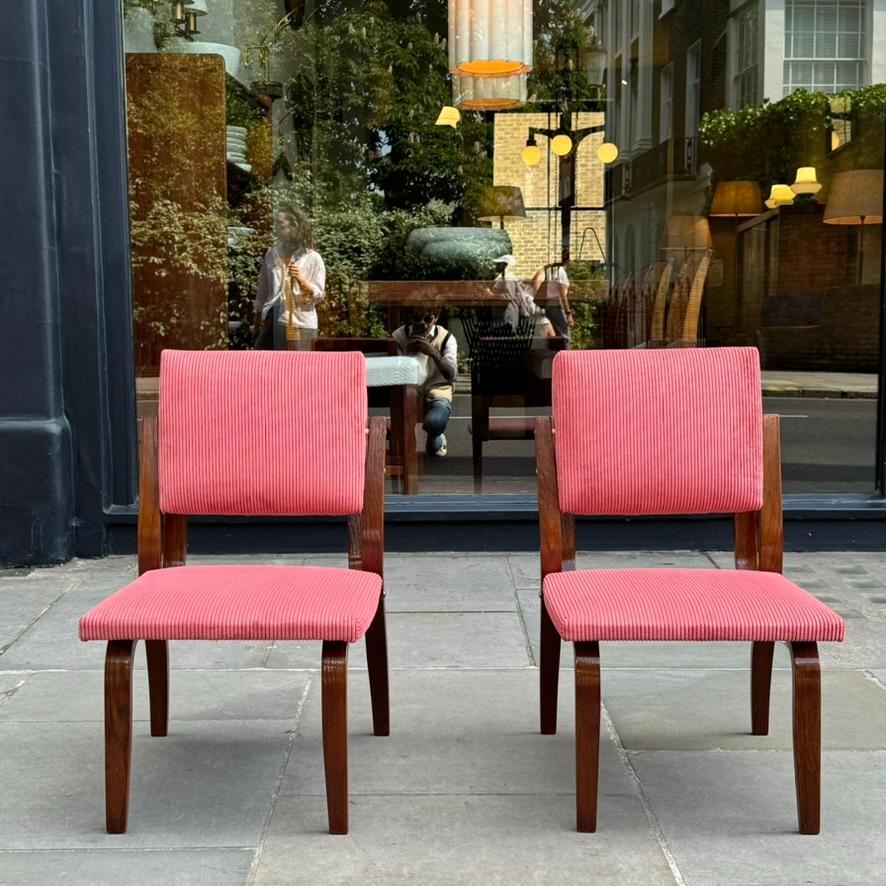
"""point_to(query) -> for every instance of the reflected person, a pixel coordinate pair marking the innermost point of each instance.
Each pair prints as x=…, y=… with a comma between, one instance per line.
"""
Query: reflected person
x=291, y=283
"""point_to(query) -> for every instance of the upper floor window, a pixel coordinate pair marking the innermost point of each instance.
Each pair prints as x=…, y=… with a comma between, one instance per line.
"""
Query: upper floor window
x=824, y=45
x=747, y=56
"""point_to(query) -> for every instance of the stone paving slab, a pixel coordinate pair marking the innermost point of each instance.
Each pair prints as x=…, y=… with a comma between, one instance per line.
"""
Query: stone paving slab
x=78, y=696
x=460, y=839
x=207, y=784
x=730, y=818
x=432, y=640
x=710, y=710
x=184, y=867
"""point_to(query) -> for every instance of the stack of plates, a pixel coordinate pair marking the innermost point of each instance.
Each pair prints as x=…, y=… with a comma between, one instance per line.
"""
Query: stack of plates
x=237, y=147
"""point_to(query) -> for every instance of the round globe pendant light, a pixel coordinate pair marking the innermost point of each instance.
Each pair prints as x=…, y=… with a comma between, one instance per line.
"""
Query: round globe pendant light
x=607, y=153
x=490, y=38
x=561, y=144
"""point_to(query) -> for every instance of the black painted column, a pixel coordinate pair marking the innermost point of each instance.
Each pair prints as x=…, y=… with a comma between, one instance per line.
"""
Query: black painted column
x=66, y=401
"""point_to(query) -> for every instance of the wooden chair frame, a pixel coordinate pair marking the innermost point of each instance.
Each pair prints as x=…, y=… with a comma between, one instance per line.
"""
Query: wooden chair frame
x=759, y=544
x=162, y=542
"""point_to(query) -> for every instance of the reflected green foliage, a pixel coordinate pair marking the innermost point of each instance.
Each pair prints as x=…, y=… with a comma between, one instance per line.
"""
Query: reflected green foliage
x=767, y=143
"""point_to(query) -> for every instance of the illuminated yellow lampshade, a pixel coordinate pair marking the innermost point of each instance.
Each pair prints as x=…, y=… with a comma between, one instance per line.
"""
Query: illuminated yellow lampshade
x=449, y=116
x=855, y=198
x=607, y=152
x=780, y=195
x=806, y=182
x=561, y=145
x=501, y=203
x=489, y=39
x=737, y=198
x=489, y=93
x=531, y=155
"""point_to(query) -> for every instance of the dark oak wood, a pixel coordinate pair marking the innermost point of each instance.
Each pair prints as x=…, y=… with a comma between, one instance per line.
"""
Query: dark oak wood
x=761, y=682
x=118, y=733
x=377, y=664
x=334, y=693
x=567, y=534
x=150, y=522
x=551, y=530
x=807, y=734
x=587, y=734
x=175, y=539
x=157, y=654
x=747, y=543
x=771, y=517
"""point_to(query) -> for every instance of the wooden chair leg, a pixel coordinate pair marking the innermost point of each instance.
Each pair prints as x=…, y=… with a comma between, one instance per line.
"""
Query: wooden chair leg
x=761, y=681
x=807, y=734
x=587, y=734
x=411, y=417
x=335, y=733
x=549, y=672
x=157, y=652
x=377, y=663
x=118, y=733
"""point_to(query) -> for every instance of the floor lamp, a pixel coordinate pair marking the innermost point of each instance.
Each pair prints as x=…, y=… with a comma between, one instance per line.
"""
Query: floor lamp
x=856, y=198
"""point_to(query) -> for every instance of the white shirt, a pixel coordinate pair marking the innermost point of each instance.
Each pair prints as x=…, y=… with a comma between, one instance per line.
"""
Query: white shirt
x=550, y=289
x=270, y=286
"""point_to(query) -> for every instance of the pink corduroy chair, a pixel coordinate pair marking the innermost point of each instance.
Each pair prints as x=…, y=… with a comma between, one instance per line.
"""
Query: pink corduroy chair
x=251, y=433
x=671, y=432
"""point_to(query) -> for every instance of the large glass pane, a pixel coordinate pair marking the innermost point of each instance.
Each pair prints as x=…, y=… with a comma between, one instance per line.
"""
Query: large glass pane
x=320, y=175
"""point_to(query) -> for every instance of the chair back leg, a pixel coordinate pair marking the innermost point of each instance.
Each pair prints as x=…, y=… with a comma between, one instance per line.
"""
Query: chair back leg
x=157, y=652
x=761, y=682
x=587, y=733
x=118, y=733
x=334, y=690
x=807, y=734
x=549, y=672
x=377, y=663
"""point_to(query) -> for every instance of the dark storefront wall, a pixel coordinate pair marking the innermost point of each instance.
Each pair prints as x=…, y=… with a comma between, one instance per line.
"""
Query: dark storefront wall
x=67, y=409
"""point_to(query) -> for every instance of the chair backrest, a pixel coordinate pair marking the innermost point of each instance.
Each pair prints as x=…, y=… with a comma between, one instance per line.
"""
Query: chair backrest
x=658, y=431
x=262, y=432
x=689, y=333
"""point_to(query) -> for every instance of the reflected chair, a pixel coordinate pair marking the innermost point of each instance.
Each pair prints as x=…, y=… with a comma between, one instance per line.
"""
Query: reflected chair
x=402, y=400
x=650, y=432
x=251, y=433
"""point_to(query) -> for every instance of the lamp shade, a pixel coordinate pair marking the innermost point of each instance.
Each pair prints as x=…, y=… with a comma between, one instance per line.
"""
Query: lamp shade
x=855, y=198
x=737, y=198
x=531, y=155
x=489, y=93
x=686, y=233
x=502, y=203
x=490, y=37
x=449, y=116
x=561, y=144
x=780, y=195
x=806, y=181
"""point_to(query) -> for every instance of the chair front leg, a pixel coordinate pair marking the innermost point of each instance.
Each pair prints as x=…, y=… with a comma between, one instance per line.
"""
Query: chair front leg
x=549, y=672
x=157, y=652
x=377, y=663
x=118, y=733
x=807, y=734
x=334, y=690
x=587, y=734
x=761, y=681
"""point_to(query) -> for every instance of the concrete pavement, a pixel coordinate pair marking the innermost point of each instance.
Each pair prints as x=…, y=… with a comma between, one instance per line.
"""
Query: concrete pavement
x=464, y=790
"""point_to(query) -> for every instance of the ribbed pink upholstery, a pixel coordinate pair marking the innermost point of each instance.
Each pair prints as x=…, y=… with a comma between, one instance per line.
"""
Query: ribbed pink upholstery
x=262, y=432
x=658, y=431
x=238, y=603
x=685, y=604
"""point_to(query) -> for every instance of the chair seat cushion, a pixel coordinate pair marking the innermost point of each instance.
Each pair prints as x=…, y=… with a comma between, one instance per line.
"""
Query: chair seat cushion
x=238, y=603
x=685, y=604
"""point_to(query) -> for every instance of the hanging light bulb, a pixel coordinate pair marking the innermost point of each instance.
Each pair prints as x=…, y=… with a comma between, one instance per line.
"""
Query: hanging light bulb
x=531, y=154
x=561, y=144
x=607, y=153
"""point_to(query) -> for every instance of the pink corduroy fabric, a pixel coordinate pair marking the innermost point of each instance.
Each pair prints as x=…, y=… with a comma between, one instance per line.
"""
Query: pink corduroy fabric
x=658, y=431
x=238, y=603
x=262, y=432
x=685, y=604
